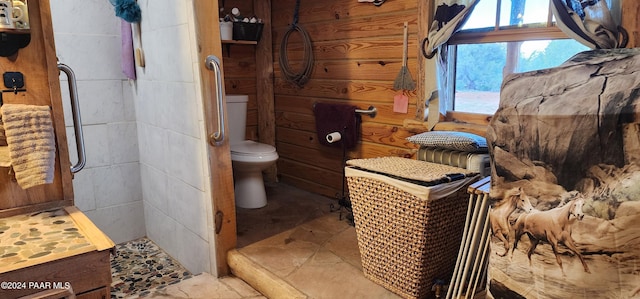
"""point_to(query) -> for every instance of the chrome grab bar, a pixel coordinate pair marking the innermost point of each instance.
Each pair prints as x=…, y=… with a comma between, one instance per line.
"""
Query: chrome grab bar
x=77, y=122
x=213, y=63
x=372, y=111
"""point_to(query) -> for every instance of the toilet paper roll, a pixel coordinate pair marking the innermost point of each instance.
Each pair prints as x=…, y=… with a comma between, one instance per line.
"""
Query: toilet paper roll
x=333, y=137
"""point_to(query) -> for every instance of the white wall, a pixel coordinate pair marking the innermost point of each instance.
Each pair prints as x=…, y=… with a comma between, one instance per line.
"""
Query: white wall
x=147, y=170
x=108, y=189
x=173, y=161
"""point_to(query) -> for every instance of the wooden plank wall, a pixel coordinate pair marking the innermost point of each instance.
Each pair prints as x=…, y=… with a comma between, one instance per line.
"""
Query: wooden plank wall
x=239, y=63
x=358, y=53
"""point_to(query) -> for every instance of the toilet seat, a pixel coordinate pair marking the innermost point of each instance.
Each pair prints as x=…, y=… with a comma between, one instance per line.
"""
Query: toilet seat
x=249, y=150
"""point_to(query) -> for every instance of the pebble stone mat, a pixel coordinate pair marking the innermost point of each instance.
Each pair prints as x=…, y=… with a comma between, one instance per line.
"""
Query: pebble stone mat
x=140, y=266
x=36, y=236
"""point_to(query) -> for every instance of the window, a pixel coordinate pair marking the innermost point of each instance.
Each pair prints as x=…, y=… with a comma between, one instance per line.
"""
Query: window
x=499, y=38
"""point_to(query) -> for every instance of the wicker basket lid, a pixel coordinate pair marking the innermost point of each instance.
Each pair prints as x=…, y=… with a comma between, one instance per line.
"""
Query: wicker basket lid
x=414, y=170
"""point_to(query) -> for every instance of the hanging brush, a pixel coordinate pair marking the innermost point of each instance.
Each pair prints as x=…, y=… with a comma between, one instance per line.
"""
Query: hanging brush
x=129, y=10
x=404, y=81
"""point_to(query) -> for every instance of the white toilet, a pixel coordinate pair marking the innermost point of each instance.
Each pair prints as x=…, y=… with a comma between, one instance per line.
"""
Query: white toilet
x=249, y=158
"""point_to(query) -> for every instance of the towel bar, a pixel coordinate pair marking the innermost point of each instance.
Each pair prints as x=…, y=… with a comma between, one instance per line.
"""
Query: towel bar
x=372, y=111
x=77, y=122
x=213, y=64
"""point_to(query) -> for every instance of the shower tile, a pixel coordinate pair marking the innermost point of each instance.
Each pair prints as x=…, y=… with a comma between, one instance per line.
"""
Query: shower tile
x=188, y=206
x=184, y=159
x=128, y=100
x=169, y=61
x=123, y=140
x=88, y=17
x=121, y=223
x=79, y=52
x=96, y=140
x=164, y=13
x=153, y=143
x=199, y=102
x=161, y=103
x=182, y=100
x=172, y=106
x=100, y=101
x=161, y=229
x=154, y=188
x=193, y=40
x=83, y=189
x=118, y=184
x=144, y=105
x=195, y=257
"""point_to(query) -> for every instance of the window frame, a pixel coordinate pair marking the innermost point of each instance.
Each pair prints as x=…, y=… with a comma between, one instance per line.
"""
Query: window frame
x=529, y=32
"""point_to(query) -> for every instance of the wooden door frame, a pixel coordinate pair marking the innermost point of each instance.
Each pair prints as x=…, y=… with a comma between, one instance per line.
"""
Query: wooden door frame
x=219, y=157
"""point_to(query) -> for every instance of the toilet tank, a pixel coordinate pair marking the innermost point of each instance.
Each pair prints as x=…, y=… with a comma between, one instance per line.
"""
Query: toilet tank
x=237, y=116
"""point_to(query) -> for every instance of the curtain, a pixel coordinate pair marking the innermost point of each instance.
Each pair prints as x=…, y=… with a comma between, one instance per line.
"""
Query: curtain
x=590, y=22
x=449, y=16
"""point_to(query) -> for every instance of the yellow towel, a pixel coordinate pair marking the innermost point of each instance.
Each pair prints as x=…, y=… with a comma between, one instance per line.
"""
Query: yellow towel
x=31, y=143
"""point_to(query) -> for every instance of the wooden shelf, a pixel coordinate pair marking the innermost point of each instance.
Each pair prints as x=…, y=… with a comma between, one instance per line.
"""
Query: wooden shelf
x=15, y=31
x=240, y=42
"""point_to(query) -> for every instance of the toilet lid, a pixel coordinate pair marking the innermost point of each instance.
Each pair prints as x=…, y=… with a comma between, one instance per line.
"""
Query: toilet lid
x=250, y=147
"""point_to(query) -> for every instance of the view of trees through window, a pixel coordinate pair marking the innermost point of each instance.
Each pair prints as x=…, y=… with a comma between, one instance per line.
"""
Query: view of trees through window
x=480, y=66
x=480, y=69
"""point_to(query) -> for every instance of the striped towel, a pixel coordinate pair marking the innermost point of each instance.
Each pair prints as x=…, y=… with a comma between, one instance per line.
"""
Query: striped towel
x=31, y=142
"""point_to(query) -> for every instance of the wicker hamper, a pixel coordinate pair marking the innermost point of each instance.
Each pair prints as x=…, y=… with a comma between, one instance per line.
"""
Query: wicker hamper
x=409, y=218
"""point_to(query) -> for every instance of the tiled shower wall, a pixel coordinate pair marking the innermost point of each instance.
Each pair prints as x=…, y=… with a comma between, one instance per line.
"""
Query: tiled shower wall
x=173, y=161
x=108, y=189
x=147, y=171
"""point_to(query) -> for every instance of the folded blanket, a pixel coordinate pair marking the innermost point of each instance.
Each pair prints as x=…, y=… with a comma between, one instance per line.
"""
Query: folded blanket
x=31, y=142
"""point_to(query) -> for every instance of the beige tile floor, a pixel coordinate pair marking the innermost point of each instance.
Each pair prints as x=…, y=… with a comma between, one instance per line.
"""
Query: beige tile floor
x=320, y=258
x=287, y=208
x=205, y=286
x=301, y=242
